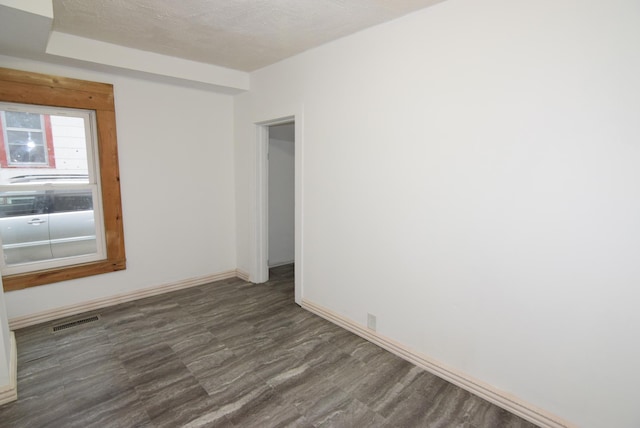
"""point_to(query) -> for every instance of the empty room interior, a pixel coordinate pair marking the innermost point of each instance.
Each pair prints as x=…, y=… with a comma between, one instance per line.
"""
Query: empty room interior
x=320, y=213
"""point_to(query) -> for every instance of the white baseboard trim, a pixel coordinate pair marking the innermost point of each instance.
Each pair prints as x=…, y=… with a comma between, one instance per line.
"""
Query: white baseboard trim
x=9, y=393
x=483, y=390
x=242, y=275
x=53, y=314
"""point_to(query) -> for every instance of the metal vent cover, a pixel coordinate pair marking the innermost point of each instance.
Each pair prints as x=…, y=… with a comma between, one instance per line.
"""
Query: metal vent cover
x=75, y=323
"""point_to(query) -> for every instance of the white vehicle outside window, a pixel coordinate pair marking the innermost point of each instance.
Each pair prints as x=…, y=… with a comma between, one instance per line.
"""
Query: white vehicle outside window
x=50, y=202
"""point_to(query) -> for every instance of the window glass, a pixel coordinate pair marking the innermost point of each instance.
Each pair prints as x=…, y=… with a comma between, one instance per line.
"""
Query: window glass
x=25, y=147
x=24, y=226
x=13, y=204
x=49, y=216
x=36, y=144
x=67, y=201
x=24, y=135
x=19, y=119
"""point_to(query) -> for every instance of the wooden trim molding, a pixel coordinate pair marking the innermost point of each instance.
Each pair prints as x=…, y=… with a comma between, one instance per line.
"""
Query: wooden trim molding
x=10, y=392
x=40, y=89
x=500, y=398
x=65, y=311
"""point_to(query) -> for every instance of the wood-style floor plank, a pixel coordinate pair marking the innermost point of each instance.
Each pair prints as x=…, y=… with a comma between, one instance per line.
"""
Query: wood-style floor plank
x=227, y=354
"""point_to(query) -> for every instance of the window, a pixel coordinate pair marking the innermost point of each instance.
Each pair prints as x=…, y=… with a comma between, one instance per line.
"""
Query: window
x=60, y=209
x=65, y=225
x=26, y=139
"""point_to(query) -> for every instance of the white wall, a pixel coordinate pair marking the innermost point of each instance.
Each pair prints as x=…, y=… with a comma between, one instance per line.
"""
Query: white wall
x=176, y=166
x=471, y=177
x=281, y=194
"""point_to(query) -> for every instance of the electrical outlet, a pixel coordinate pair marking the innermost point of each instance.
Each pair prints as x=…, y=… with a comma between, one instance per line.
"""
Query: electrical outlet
x=371, y=322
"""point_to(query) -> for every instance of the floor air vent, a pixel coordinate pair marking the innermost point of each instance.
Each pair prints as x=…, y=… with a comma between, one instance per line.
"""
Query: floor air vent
x=75, y=323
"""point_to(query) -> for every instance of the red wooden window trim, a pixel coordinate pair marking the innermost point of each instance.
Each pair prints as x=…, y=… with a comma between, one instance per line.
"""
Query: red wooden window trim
x=48, y=137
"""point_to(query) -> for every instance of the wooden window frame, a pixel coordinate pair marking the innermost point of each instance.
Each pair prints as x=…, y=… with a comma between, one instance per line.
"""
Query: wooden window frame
x=41, y=89
x=48, y=141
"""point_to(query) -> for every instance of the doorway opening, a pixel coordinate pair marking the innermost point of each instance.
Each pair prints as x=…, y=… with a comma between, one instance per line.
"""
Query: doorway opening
x=281, y=200
x=278, y=202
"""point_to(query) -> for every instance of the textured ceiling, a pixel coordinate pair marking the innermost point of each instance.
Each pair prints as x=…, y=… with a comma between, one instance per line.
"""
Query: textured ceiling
x=239, y=34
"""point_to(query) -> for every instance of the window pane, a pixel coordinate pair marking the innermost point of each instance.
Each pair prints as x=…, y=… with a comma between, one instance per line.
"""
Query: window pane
x=51, y=148
x=23, y=226
x=13, y=204
x=26, y=138
x=26, y=147
x=45, y=148
x=22, y=154
x=72, y=225
x=45, y=225
x=72, y=200
x=17, y=119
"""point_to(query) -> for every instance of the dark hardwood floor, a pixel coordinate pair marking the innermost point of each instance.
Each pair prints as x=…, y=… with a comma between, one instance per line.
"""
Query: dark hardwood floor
x=227, y=354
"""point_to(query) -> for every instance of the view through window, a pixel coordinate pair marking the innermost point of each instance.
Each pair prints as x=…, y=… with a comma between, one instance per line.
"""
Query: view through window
x=50, y=211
